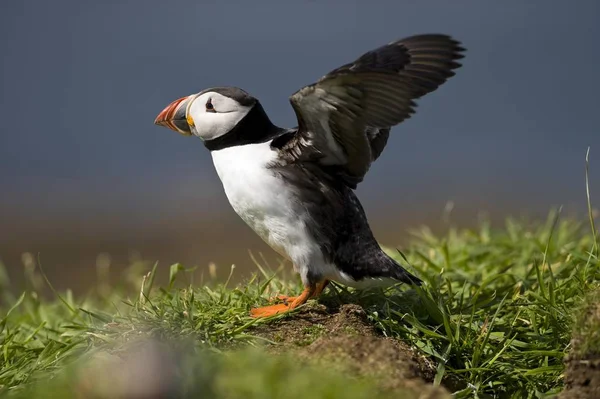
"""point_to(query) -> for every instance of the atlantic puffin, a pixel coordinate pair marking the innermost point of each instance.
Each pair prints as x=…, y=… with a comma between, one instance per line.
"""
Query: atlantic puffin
x=295, y=186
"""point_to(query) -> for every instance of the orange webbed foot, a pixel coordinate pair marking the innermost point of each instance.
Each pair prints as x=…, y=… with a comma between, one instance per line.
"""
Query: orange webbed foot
x=291, y=303
x=290, y=299
x=267, y=311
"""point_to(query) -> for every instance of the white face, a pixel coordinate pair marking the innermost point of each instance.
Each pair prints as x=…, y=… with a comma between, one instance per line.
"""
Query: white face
x=212, y=115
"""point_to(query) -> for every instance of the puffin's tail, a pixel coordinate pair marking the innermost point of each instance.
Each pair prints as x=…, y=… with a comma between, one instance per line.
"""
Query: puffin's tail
x=397, y=272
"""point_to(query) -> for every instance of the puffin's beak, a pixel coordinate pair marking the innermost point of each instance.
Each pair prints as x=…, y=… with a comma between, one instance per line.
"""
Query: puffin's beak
x=174, y=116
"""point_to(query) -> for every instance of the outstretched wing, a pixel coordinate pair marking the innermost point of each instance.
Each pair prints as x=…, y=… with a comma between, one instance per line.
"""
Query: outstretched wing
x=344, y=119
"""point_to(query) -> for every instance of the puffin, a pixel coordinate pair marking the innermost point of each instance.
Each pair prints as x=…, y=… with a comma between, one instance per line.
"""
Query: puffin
x=295, y=187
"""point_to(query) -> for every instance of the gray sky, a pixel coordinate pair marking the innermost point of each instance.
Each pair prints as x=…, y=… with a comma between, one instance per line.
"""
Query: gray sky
x=83, y=80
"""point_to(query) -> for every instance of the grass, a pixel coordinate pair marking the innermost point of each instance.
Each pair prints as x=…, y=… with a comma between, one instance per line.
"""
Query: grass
x=586, y=335
x=498, y=308
x=495, y=313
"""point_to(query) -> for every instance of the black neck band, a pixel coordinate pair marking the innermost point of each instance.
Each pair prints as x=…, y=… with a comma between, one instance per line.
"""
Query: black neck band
x=253, y=128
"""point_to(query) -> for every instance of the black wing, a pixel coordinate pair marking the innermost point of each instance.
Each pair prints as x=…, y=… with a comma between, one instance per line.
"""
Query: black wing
x=344, y=119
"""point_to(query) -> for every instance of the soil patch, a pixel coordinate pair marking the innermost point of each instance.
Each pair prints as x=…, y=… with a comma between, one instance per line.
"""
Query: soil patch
x=342, y=337
x=582, y=375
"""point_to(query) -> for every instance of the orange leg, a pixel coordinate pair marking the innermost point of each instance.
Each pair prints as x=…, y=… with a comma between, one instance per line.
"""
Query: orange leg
x=289, y=299
x=320, y=287
x=290, y=302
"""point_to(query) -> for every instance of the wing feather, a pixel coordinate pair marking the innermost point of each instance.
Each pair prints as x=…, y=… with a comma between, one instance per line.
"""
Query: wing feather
x=344, y=119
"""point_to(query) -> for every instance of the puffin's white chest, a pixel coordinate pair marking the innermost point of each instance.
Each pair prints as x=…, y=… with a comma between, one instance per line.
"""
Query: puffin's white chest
x=260, y=198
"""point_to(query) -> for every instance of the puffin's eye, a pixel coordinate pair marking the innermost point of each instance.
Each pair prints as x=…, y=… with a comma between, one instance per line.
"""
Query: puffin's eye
x=209, y=106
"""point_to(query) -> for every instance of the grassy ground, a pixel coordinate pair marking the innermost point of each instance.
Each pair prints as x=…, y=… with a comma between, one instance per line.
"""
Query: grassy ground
x=494, y=317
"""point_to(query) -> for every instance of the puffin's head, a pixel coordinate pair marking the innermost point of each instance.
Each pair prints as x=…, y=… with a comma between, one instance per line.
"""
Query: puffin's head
x=208, y=114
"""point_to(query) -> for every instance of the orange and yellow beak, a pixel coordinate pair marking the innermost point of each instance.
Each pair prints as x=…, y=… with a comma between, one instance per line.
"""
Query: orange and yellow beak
x=174, y=116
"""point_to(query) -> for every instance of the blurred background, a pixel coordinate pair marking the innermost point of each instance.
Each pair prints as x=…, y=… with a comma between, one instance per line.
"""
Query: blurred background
x=83, y=170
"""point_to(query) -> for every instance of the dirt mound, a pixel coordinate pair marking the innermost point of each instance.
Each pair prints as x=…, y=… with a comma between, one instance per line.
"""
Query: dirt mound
x=582, y=379
x=342, y=337
x=582, y=375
